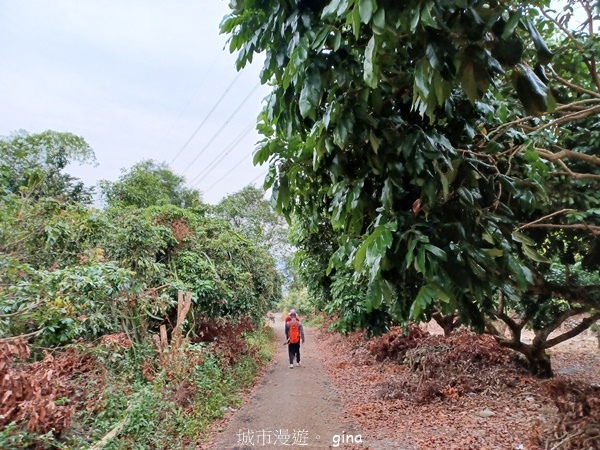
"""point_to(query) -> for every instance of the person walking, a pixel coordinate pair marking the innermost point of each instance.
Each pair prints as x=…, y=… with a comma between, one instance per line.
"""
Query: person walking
x=294, y=333
x=288, y=318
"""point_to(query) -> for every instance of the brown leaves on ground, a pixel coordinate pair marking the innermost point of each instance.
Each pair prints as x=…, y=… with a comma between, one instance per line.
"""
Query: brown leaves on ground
x=427, y=392
x=39, y=394
x=577, y=424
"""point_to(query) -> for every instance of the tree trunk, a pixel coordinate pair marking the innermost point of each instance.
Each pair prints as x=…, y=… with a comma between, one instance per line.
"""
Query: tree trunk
x=447, y=323
x=539, y=362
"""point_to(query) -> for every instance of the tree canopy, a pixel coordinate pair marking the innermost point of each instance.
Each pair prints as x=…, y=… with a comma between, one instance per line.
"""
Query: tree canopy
x=149, y=183
x=450, y=145
x=36, y=163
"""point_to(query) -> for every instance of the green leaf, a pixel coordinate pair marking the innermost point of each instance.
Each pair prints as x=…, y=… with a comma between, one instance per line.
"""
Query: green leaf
x=356, y=22
x=379, y=21
x=374, y=140
x=310, y=94
x=335, y=8
x=511, y=25
x=518, y=272
x=422, y=301
x=337, y=40
x=534, y=255
x=365, y=8
x=441, y=254
x=371, y=73
x=465, y=196
x=493, y=252
x=522, y=238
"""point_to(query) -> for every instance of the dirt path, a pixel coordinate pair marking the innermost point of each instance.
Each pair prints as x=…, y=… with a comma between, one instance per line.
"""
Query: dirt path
x=295, y=407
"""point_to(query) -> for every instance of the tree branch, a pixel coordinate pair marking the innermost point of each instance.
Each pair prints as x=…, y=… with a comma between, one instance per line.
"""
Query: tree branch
x=584, y=325
x=591, y=67
x=527, y=225
x=574, y=86
x=567, y=154
x=12, y=338
x=594, y=229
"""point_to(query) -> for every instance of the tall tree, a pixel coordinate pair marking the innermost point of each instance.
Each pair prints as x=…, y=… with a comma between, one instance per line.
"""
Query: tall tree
x=35, y=163
x=249, y=212
x=149, y=183
x=442, y=146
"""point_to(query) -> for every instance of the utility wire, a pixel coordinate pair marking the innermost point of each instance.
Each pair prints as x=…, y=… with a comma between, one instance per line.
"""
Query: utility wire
x=193, y=96
x=206, y=118
x=231, y=170
x=221, y=156
x=228, y=173
x=221, y=129
x=258, y=177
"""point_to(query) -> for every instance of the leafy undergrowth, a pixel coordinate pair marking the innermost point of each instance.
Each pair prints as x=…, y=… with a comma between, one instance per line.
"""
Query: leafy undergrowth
x=462, y=392
x=73, y=398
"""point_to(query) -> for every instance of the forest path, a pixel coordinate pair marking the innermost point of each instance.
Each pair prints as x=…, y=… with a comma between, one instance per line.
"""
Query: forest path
x=295, y=408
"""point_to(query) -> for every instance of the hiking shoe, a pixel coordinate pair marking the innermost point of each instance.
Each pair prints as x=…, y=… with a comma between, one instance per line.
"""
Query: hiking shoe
x=291, y=366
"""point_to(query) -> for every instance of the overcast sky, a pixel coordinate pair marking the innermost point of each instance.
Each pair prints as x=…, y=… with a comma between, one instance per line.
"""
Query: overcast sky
x=134, y=78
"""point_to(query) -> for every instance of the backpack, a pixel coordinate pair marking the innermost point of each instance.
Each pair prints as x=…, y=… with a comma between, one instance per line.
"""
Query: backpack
x=294, y=331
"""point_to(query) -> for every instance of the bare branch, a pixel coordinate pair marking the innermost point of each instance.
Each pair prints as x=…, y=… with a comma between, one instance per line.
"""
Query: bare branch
x=12, y=338
x=574, y=86
x=562, y=211
x=594, y=229
x=576, y=176
x=589, y=63
x=583, y=325
x=568, y=154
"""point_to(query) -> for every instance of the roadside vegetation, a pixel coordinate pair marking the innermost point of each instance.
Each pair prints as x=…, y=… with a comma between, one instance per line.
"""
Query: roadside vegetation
x=130, y=326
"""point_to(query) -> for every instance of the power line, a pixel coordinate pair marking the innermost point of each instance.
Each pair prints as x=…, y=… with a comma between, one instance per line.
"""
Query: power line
x=222, y=127
x=207, y=116
x=221, y=156
x=231, y=170
x=184, y=109
x=260, y=176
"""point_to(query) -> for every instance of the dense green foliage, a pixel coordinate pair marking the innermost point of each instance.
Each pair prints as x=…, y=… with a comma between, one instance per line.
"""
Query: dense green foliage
x=449, y=145
x=37, y=162
x=96, y=285
x=69, y=271
x=148, y=183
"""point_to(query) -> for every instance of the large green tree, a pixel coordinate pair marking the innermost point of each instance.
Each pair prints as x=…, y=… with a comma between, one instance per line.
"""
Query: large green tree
x=444, y=143
x=149, y=183
x=33, y=164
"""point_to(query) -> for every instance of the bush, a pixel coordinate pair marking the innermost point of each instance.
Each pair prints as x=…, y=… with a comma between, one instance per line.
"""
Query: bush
x=299, y=300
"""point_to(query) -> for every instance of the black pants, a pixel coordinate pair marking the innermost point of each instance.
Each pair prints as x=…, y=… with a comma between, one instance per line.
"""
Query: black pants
x=294, y=349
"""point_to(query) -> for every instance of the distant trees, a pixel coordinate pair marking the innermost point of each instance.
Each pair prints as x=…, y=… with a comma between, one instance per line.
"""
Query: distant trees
x=35, y=163
x=68, y=271
x=149, y=183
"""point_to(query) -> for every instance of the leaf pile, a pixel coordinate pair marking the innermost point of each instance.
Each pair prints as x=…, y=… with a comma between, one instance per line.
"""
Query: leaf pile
x=577, y=424
x=34, y=393
x=453, y=421
x=394, y=344
x=226, y=337
x=444, y=367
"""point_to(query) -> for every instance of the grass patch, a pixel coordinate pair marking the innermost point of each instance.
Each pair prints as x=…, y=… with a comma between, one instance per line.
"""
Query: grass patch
x=175, y=410
x=315, y=321
x=168, y=407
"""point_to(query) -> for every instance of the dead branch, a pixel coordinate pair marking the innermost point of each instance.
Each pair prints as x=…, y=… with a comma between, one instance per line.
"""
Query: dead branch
x=594, y=229
x=21, y=336
x=541, y=219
